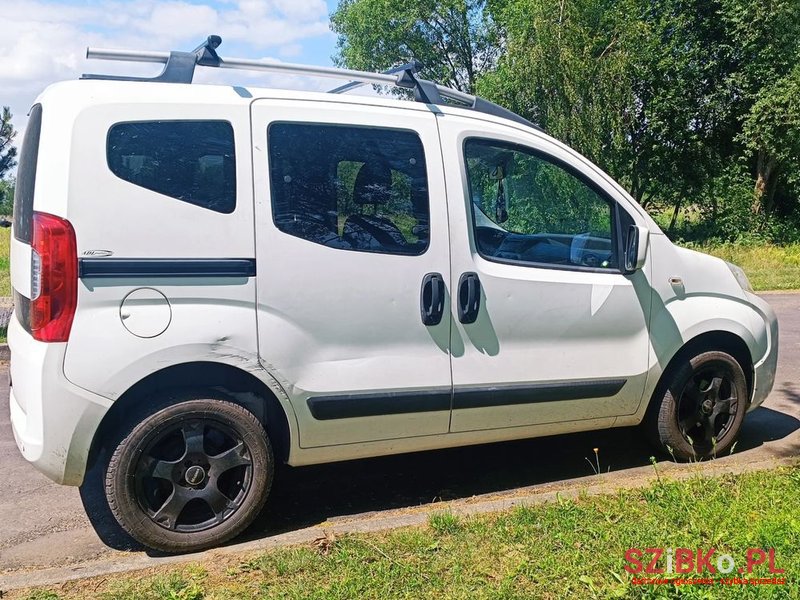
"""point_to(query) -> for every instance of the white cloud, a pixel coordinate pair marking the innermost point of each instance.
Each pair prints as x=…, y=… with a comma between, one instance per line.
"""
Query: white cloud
x=291, y=50
x=301, y=9
x=45, y=41
x=194, y=20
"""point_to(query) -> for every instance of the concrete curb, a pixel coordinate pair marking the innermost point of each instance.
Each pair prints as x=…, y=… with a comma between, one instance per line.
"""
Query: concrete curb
x=607, y=483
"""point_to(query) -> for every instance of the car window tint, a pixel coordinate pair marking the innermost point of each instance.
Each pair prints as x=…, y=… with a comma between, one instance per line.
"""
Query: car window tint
x=191, y=161
x=528, y=209
x=352, y=188
x=26, y=177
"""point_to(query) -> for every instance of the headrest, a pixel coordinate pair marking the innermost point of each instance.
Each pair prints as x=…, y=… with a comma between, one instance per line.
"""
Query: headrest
x=373, y=184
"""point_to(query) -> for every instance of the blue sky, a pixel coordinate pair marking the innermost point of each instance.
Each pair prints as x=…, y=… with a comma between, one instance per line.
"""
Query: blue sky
x=44, y=41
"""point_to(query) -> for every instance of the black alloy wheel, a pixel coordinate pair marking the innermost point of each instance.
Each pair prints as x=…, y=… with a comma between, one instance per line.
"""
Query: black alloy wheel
x=190, y=475
x=193, y=475
x=707, y=406
x=698, y=408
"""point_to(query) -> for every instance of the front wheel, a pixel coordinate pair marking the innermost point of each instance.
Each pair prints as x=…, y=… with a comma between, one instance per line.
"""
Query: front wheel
x=700, y=410
x=191, y=475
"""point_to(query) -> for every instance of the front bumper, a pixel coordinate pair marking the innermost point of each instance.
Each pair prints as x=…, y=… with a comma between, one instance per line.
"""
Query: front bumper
x=764, y=369
x=53, y=420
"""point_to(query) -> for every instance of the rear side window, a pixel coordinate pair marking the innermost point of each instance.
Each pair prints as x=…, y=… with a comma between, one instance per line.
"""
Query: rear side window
x=26, y=177
x=351, y=188
x=191, y=161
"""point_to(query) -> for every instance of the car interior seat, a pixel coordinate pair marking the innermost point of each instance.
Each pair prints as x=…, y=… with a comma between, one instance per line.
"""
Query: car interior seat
x=373, y=187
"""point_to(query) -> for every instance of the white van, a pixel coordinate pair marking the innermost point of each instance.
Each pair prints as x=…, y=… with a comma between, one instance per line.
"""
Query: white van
x=211, y=279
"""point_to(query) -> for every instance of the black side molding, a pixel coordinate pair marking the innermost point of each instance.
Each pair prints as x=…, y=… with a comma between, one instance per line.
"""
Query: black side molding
x=556, y=391
x=106, y=268
x=325, y=408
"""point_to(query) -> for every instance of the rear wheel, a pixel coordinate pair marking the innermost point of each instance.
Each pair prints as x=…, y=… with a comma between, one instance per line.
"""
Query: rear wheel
x=700, y=410
x=191, y=475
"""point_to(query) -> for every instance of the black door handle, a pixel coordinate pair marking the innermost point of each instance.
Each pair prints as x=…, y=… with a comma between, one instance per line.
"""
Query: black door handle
x=431, y=299
x=469, y=297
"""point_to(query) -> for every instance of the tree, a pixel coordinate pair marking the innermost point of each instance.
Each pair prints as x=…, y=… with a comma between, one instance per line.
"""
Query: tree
x=564, y=69
x=678, y=99
x=8, y=153
x=637, y=86
x=683, y=116
x=6, y=197
x=772, y=134
x=455, y=40
x=767, y=82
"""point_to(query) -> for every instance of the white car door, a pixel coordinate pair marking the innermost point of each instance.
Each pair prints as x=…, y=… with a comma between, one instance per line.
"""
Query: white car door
x=352, y=260
x=547, y=327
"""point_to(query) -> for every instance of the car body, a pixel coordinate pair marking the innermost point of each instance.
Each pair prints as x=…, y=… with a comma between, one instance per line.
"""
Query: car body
x=312, y=313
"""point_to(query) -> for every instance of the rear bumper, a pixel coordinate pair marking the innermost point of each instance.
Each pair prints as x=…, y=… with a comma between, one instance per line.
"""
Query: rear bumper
x=53, y=420
x=764, y=369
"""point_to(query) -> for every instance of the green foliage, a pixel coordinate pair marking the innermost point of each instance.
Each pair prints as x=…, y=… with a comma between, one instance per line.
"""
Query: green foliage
x=564, y=69
x=5, y=275
x=186, y=584
x=7, y=196
x=43, y=595
x=772, y=133
x=691, y=104
x=455, y=40
x=8, y=153
x=445, y=522
x=768, y=267
x=720, y=213
x=630, y=84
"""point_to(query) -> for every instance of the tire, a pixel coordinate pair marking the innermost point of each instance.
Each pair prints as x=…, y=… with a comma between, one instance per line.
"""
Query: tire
x=697, y=411
x=190, y=475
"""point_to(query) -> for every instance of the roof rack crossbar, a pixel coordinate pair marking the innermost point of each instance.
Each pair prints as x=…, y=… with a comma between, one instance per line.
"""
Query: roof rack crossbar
x=179, y=68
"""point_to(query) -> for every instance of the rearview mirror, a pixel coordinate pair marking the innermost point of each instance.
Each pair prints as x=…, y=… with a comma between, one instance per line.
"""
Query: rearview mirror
x=636, y=243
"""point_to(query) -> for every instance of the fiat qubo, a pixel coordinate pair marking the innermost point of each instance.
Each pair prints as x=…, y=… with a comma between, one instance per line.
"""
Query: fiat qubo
x=212, y=279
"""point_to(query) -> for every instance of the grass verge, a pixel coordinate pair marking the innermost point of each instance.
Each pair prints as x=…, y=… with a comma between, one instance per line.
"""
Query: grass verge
x=5, y=275
x=767, y=267
x=565, y=549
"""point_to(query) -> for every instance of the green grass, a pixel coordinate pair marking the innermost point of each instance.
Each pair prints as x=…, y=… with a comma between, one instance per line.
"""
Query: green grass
x=767, y=267
x=5, y=275
x=565, y=549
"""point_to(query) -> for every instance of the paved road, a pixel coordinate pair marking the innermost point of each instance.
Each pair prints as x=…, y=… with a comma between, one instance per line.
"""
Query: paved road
x=45, y=525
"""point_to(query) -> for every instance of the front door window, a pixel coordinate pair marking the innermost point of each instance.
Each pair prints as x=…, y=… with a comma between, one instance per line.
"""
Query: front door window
x=529, y=210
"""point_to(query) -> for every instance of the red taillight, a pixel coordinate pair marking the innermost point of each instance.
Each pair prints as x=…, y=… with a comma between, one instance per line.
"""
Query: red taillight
x=54, y=278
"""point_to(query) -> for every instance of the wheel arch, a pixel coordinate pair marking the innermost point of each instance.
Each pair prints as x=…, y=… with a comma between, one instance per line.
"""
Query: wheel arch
x=719, y=340
x=241, y=386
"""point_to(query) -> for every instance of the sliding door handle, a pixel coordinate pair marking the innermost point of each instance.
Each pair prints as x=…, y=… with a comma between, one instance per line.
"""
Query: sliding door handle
x=469, y=297
x=431, y=299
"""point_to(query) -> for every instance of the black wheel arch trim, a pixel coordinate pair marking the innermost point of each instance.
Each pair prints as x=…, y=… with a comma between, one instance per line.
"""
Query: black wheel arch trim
x=715, y=340
x=237, y=385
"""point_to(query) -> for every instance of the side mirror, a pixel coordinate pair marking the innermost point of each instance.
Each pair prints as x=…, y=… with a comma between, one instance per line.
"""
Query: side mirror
x=636, y=243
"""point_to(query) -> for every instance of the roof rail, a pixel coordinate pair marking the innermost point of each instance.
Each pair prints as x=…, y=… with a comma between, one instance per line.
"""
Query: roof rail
x=179, y=68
